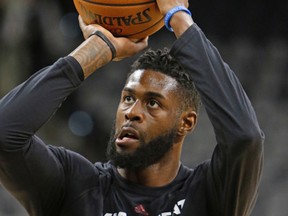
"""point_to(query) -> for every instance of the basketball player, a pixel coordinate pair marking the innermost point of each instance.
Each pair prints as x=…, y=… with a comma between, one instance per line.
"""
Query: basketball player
x=158, y=108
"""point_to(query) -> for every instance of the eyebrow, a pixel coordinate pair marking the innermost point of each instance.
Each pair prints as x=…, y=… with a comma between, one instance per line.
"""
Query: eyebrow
x=147, y=94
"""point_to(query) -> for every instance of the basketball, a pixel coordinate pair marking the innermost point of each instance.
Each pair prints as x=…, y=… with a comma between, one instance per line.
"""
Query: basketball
x=126, y=18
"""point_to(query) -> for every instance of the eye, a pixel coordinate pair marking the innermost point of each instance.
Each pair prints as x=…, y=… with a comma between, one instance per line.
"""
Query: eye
x=153, y=103
x=128, y=99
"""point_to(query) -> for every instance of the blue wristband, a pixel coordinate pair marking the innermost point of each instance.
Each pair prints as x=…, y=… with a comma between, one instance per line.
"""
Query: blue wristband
x=170, y=13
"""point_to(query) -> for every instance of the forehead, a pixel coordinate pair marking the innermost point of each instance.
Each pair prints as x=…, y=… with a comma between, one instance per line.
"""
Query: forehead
x=152, y=81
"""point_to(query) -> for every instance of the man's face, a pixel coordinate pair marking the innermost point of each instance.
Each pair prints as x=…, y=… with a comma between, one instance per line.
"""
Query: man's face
x=146, y=120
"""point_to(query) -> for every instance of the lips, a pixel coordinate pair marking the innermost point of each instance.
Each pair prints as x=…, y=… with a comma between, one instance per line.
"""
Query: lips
x=128, y=137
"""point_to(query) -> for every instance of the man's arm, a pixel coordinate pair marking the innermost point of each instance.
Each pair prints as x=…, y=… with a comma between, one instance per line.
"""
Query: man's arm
x=236, y=165
x=30, y=170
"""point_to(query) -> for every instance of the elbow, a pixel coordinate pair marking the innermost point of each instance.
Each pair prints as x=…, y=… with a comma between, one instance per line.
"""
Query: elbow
x=9, y=140
x=250, y=140
x=3, y=136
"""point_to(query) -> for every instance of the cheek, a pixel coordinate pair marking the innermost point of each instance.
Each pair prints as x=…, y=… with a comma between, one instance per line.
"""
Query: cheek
x=160, y=127
x=169, y=122
x=167, y=118
x=120, y=117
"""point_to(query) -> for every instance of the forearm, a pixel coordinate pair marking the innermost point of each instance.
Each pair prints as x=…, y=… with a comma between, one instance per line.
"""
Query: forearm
x=92, y=54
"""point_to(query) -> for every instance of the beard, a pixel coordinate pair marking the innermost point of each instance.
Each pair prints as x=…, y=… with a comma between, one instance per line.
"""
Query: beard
x=146, y=154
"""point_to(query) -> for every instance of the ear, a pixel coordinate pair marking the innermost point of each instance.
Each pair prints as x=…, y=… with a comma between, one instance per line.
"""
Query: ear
x=188, y=122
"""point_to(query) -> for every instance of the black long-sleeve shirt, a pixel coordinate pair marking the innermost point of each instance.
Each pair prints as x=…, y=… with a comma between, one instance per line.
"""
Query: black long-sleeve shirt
x=51, y=180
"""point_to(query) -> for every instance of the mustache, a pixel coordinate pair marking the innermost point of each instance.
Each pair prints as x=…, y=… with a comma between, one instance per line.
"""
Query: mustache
x=126, y=125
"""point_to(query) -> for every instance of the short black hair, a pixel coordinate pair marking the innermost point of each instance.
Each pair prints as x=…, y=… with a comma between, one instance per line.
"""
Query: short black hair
x=161, y=61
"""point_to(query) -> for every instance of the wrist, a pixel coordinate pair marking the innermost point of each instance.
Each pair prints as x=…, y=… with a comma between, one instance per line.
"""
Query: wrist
x=92, y=54
x=107, y=41
x=172, y=13
x=180, y=22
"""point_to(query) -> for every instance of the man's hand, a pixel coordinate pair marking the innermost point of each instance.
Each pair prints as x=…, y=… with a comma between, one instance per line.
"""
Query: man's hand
x=124, y=47
x=180, y=21
x=166, y=5
x=94, y=52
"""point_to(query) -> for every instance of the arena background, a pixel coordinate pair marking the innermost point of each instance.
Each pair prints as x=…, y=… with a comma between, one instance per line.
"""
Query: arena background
x=250, y=35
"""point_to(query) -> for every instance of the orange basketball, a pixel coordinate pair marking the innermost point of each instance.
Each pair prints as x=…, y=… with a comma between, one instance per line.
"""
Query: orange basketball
x=126, y=18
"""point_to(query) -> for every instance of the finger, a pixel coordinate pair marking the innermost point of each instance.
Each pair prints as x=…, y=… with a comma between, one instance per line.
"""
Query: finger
x=144, y=39
x=82, y=26
x=140, y=45
x=130, y=48
x=81, y=22
x=143, y=42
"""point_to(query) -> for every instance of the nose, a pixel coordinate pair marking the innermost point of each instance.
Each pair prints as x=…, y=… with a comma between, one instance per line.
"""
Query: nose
x=135, y=112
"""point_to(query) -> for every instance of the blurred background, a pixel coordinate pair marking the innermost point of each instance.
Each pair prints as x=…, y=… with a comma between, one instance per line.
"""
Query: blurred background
x=252, y=37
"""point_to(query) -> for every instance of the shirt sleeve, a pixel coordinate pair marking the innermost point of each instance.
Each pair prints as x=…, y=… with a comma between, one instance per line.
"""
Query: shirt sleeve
x=234, y=172
x=29, y=169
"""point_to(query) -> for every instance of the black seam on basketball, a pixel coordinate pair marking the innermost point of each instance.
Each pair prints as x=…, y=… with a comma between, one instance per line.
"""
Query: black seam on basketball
x=119, y=5
x=129, y=35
